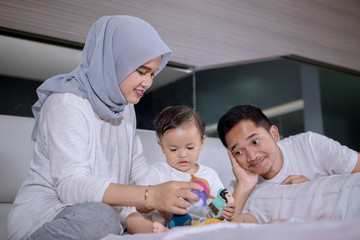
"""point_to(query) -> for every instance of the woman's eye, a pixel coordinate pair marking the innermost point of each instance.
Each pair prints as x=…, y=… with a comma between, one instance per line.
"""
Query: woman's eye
x=153, y=75
x=256, y=141
x=141, y=73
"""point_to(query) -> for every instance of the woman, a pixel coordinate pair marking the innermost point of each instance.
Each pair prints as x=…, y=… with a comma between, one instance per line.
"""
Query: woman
x=86, y=151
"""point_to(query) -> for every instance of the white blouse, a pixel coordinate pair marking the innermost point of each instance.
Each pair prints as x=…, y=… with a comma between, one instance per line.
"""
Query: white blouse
x=76, y=156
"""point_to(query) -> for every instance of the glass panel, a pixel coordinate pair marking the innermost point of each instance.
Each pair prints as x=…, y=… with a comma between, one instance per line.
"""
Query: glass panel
x=289, y=123
x=340, y=101
x=178, y=92
x=265, y=84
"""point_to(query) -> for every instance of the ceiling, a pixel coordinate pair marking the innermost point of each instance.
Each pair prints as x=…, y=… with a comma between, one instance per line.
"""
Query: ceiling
x=205, y=33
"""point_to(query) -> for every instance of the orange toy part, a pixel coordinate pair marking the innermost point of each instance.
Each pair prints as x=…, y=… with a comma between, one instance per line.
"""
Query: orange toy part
x=206, y=222
x=204, y=183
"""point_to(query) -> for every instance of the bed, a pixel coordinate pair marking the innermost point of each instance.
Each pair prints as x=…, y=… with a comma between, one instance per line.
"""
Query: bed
x=293, y=229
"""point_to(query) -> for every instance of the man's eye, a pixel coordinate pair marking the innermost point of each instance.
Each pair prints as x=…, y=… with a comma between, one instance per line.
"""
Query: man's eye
x=238, y=153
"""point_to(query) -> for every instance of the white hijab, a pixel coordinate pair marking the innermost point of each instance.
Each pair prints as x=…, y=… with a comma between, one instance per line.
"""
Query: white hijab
x=115, y=47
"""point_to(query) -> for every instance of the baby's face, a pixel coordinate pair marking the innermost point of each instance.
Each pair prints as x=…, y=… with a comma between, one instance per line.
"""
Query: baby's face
x=182, y=146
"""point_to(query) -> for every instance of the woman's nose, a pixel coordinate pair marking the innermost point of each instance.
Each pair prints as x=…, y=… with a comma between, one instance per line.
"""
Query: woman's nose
x=147, y=82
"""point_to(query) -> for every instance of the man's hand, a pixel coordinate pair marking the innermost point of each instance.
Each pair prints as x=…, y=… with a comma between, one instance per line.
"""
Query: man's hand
x=294, y=179
x=243, y=176
x=246, y=181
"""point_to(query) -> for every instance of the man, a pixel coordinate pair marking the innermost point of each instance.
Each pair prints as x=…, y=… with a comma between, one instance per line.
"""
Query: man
x=258, y=155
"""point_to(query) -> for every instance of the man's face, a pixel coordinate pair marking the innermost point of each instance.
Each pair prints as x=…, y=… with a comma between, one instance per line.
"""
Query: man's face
x=255, y=148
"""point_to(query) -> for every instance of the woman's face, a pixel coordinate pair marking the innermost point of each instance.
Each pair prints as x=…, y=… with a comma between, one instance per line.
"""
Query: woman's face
x=137, y=82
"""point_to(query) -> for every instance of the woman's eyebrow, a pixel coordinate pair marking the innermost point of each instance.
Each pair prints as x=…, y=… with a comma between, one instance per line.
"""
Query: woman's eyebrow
x=147, y=68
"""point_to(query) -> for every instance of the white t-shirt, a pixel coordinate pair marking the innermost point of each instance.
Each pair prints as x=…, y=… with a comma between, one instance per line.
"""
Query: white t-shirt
x=313, y=155
x=162, y=172
x=76, y=156
x=334, y=197
x=309, y=154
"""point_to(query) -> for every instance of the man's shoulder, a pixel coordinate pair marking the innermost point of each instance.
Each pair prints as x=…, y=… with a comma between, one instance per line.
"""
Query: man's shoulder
x=305, y=137
x=299, y=137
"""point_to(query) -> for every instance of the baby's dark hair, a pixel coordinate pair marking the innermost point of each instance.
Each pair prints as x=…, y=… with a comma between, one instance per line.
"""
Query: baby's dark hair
x=175, y=116
x=238, y=113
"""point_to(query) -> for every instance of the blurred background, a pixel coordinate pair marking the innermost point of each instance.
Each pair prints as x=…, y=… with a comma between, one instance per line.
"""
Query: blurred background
x=297, y=60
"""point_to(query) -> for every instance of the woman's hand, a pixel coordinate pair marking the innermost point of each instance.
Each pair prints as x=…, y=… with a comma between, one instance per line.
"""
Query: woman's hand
x=172, y=196
x=294, y=179
x=243, y=176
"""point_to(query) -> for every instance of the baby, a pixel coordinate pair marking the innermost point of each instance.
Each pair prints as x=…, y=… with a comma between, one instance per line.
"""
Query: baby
x=181, y=134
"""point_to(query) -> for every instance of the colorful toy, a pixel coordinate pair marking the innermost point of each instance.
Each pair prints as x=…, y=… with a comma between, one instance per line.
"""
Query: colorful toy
x=180, y=220
x=205, y=221
x=204, y=195
x=222, y=199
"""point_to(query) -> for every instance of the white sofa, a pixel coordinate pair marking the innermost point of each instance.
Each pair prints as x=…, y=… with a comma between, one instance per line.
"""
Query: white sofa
x=16, y=154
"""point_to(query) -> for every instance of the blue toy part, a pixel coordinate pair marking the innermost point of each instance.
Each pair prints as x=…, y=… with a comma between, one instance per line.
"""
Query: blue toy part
x=201, y=203
x=217, y=205
x=180, y=220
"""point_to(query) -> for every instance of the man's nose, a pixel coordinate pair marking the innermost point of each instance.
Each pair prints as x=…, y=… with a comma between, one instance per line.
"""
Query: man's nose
x=251, y=155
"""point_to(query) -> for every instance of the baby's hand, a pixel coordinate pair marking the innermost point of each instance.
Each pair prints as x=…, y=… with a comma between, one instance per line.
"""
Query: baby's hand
x=228, y=212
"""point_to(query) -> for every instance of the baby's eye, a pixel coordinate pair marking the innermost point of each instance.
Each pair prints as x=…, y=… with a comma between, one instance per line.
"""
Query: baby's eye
x=172, y=149
x=190, y=148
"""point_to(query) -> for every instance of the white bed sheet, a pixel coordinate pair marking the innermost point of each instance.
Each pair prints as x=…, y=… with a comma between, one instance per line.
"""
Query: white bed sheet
x=294, y=230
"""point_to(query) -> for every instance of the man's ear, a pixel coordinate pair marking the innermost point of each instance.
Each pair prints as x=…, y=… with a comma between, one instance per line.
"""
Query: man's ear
x=274, y=131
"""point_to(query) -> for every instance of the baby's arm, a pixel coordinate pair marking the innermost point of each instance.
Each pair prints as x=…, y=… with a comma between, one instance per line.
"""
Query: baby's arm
x=143, y=209
x=228, y=212
x=137, y=223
